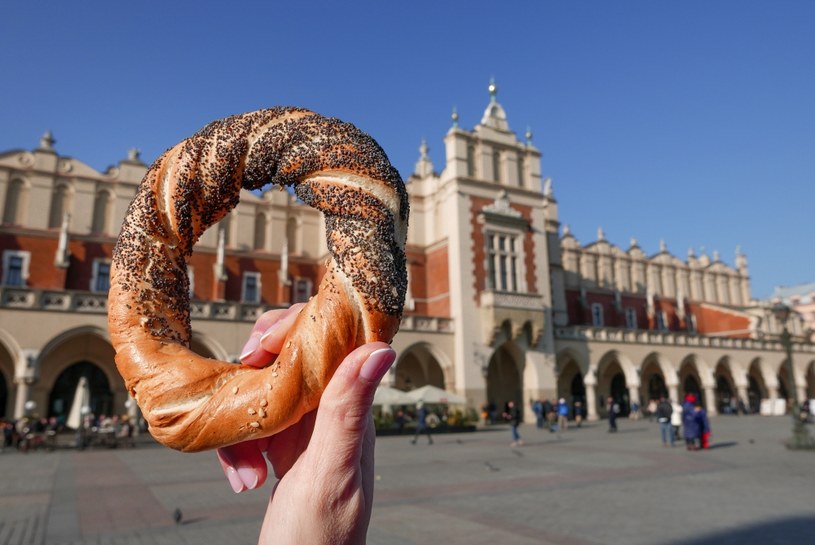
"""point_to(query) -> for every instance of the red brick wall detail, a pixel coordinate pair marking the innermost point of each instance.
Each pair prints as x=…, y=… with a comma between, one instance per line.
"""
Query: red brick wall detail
x=429, y=281
x=709, y=320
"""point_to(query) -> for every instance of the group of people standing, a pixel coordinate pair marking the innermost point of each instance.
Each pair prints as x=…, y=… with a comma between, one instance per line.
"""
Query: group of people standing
x=690, y=416
x=554, y=415
x=549, y=415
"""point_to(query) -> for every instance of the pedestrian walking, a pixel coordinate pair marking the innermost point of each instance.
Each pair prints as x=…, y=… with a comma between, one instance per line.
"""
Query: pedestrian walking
x=549, y=412
x=421, y=424
x=664, y=411
x=635, y=411
x=613, y=409
x=578, y=413
x=515, y=421
x=537, y=408
x=562, y=414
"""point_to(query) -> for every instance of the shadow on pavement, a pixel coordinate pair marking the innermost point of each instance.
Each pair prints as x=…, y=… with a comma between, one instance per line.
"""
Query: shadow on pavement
x=724, y=444
x=781, y=532
x=631, y=430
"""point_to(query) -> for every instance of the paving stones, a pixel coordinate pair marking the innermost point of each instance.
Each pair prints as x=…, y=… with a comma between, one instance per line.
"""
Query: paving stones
x=583, y=486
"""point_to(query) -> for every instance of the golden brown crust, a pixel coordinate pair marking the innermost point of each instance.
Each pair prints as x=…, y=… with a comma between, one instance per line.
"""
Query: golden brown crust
x=194, y=403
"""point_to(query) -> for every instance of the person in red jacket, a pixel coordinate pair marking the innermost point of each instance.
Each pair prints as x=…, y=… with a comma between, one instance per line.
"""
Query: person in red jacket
x=700, y=414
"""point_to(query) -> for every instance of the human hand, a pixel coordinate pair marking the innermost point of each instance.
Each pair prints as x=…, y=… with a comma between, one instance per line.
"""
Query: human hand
x=324, y=463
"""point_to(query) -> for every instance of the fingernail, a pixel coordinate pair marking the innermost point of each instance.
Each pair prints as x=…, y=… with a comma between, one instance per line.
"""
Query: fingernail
x=234, y=480
x=250, y=347
x=377, y=364
x=272, y=328
x=248, y=476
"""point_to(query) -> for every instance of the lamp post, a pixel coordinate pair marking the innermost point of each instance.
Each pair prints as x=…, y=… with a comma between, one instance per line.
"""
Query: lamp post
x=800, y=434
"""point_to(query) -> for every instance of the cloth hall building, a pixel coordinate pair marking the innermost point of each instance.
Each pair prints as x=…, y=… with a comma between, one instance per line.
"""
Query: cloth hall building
x=504, y=303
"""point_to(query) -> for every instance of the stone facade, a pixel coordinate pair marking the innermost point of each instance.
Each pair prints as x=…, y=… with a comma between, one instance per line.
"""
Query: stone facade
x=503, y=302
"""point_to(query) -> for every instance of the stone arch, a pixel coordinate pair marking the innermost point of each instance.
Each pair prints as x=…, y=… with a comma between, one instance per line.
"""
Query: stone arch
x=657, y=377
x=418, y=365
x=85, y=344
x=5, y=392
x=63, y=391
x=9, y=355
x=501, y=334
x=756, y=386
x=7, y=364
x=570, y=383
x=525, y=336
x=691, y=379
x=726, y=390
x=505, y=376
x=567, y=355
x=15, y=206
x=782, y=373
x=14, y=352
x=616, y=375
x=207, y=347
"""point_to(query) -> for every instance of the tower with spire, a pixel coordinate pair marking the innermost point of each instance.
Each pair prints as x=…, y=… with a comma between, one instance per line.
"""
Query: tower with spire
x=487, y=216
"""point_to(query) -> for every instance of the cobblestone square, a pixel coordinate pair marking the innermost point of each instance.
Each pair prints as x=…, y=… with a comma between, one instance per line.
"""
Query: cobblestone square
x=582, y=486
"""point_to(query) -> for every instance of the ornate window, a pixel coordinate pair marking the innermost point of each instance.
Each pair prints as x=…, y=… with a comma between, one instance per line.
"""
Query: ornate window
x=631, y=318
x=250, y=291
x=16, y=202
x=15, y=268
x=102, y=212
x=661, y=322
x=302, y=290
x=260, y=231
x=597, y=315
x=60, y=204
x=100, y=279
x=503, y=261
x=690, y=320
x=521, y=169
x=504, y=232
x=291, y=236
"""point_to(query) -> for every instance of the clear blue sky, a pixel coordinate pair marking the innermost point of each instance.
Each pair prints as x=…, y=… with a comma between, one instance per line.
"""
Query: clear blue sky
x=692, y=122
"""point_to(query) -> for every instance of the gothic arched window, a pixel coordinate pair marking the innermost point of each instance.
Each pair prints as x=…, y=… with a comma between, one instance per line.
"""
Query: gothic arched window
x=16, y=202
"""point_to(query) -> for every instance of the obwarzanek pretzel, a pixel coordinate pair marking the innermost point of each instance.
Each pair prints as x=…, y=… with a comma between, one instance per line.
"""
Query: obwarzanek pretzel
x=192, y=403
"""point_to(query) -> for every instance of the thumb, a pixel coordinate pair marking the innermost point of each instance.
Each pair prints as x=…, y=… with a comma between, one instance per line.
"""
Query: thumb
x=345, y=407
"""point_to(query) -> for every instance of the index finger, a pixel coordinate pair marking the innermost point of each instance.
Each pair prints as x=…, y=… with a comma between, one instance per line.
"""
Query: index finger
x=253, y=354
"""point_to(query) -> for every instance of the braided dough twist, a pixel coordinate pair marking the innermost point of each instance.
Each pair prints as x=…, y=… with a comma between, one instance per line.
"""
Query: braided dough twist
x=194, y=403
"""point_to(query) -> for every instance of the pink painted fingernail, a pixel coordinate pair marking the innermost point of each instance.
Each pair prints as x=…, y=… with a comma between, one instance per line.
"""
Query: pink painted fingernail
x=377, y=364
x=248, y=476
x=272, y=328
x=234, y=480
x=250, y=347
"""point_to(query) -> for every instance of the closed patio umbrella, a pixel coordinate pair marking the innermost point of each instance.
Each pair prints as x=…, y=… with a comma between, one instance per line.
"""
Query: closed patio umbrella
x=82, y=398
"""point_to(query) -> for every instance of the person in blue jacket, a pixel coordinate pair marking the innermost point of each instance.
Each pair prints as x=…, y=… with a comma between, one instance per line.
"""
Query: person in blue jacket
x=691, y=428
x=562, y=414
